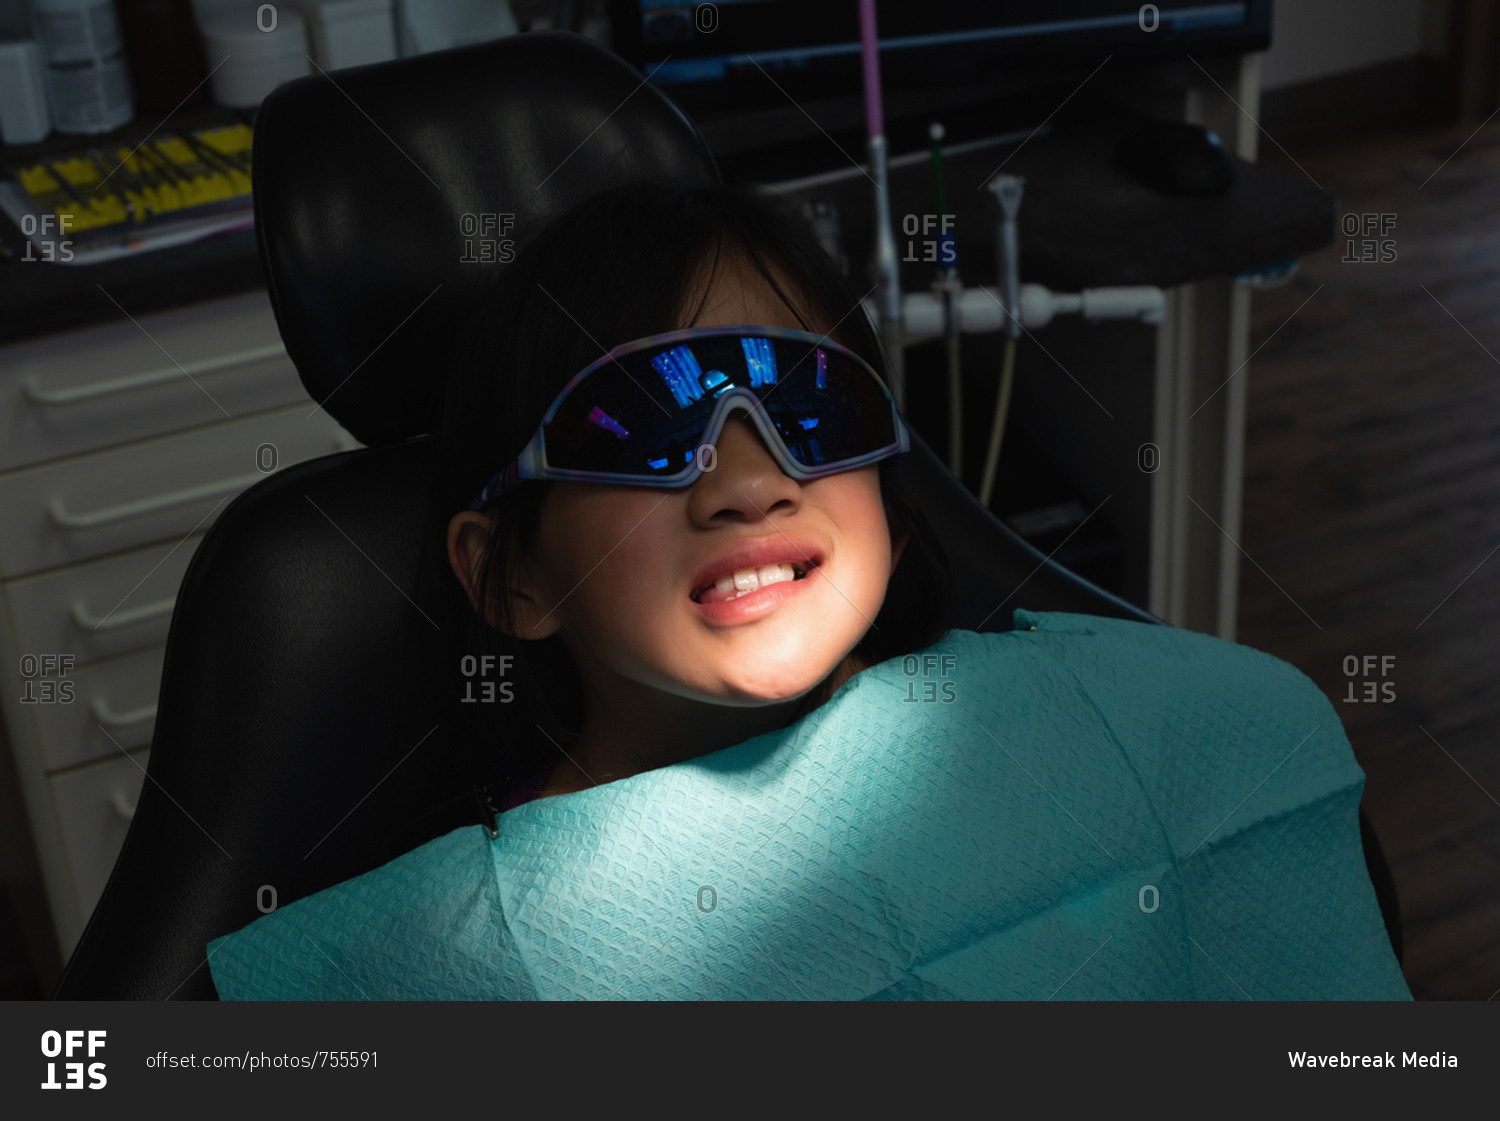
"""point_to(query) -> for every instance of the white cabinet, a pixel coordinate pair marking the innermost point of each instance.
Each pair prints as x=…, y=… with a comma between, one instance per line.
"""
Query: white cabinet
x=119, y=446
x=152, y=490
x=112, y=709
x=94, y=805
x=73, y=393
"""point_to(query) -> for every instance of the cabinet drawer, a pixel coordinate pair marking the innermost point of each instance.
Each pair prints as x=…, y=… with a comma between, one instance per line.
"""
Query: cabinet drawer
x=75, y=509
x=113, y=707
x=77, y=392
x=94, y=806
x=102, y=608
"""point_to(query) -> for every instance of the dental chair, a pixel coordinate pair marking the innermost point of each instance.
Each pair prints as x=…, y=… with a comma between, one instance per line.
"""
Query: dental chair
x=277, y=768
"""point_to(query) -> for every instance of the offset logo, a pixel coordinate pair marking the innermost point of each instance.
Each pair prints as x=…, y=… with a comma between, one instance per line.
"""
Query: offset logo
x=39, y=687
x=59, y=249
x=487, y=238
x=1368, y=238
x=469, y=665
x=1352, y=670
x=938, y=247
x=66, y=1045
x=934, y=672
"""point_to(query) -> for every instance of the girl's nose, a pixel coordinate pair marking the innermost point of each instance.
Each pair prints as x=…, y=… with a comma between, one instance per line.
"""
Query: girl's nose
x=741, y=443
x=746, y=480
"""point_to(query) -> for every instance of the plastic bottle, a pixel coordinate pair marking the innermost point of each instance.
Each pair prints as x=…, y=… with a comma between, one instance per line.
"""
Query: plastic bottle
x=88, y=75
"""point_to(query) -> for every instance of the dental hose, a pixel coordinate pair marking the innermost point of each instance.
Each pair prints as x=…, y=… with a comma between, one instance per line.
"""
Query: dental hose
x=955, y=392
x=1002, y=407
x=948, y=284
x=1008, y=190
x=888, y=269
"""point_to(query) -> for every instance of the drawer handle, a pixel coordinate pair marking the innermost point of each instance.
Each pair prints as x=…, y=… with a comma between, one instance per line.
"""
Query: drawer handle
x=143, y=506
x=88, y=621
x=93, y=390
x=108, y=717
x=123, y=804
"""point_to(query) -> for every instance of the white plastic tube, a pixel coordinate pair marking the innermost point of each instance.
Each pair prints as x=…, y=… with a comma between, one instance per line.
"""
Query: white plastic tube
x=980, y=309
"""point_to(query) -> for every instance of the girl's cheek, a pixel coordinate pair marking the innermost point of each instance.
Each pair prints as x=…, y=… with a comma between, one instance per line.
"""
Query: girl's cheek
x=857, y=506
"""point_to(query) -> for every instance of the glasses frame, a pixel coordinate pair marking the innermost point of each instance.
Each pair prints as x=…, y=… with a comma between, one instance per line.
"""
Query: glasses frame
x=532, y=462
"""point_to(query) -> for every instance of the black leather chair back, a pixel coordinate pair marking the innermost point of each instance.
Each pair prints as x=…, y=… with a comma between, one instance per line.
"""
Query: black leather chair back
x=281, y=760
x=374, y=188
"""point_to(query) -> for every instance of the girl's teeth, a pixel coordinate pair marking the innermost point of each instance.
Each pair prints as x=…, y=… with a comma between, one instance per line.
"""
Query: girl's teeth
x=735, y=584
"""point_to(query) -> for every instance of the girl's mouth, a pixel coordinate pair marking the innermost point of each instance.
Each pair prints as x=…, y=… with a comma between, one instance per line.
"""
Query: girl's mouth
x=748, y=581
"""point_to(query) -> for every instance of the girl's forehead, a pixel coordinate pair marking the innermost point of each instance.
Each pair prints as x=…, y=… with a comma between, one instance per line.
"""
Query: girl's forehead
x=738, y=293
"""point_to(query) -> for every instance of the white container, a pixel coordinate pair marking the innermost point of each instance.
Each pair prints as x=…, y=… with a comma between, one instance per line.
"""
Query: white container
x=437, y=25
x=24, y=116
x=255, y=60
x=350, y=32
x=88, y=75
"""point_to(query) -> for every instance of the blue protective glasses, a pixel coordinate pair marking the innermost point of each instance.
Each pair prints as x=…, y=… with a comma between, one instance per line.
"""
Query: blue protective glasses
x=649, y=412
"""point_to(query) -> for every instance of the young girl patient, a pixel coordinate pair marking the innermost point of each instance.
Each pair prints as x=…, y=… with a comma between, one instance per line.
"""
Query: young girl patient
x=738, y=749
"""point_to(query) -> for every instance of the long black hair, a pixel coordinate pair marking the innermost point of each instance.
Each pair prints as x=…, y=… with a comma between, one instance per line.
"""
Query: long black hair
x=617, y=267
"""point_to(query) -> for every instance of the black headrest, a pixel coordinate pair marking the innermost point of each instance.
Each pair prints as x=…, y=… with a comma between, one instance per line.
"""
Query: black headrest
x=372, y=186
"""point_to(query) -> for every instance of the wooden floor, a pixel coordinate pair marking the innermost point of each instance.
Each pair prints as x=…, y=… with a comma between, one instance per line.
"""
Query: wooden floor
x=1372, y=496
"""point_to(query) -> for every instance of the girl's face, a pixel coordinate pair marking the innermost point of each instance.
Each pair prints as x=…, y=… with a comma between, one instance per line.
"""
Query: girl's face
x=615, y=568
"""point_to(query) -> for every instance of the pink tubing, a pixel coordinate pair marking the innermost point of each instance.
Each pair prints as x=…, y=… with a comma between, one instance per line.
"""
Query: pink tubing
x=870, y=55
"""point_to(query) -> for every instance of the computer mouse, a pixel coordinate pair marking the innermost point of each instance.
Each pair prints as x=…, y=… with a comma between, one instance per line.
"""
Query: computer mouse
x=1177, y=158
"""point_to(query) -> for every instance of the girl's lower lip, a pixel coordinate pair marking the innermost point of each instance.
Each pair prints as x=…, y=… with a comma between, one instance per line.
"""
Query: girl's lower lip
x=758, y=603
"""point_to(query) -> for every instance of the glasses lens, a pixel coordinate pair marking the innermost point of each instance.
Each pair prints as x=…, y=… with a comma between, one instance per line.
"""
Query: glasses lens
x=827, y=408
x=645, y=414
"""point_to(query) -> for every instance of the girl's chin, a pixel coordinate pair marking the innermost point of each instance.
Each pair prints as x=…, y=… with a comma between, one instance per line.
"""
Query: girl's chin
x=780, y=689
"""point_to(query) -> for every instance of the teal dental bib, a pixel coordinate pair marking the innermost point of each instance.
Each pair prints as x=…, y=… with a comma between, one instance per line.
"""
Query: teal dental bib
x=1081, y=808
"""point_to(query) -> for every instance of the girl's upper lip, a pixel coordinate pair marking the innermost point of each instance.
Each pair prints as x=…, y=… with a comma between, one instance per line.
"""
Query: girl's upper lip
x=753, y=552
